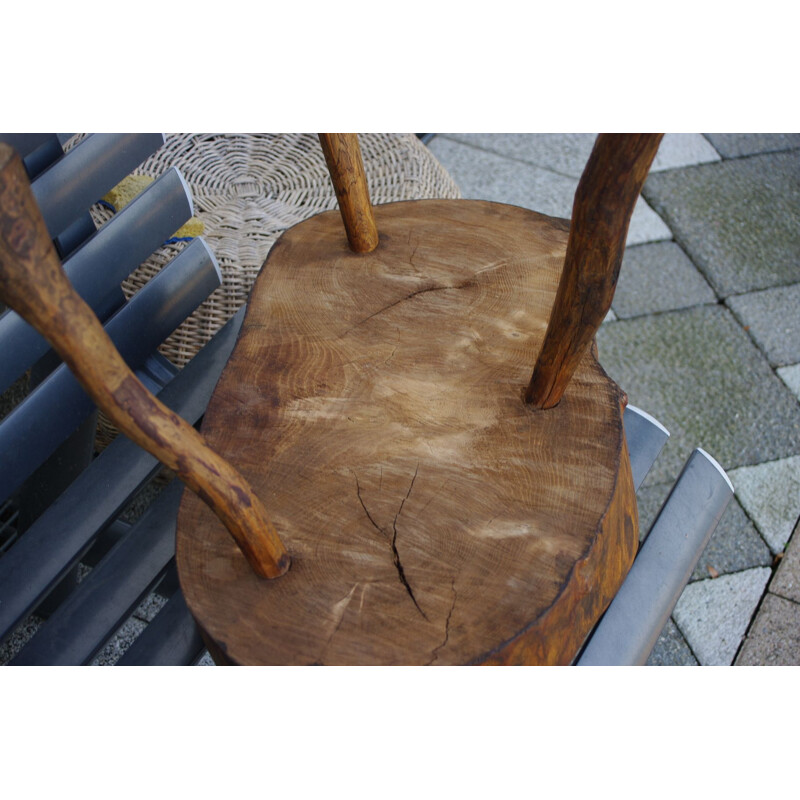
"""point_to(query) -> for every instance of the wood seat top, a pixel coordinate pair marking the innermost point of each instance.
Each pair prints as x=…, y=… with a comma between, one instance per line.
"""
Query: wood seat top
x=374, y=402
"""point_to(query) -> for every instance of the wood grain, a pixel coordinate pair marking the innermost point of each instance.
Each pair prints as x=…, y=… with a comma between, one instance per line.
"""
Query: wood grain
x=346, y=168
x=33, y=283
x=375, y=402
x=601, y=213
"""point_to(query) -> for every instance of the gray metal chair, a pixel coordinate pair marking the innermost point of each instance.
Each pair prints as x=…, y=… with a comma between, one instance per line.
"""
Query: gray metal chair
x=629, y=629
x=61, y=506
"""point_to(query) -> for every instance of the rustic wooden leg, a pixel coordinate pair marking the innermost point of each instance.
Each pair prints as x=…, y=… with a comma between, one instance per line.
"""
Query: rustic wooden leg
x=343, y=156
x=604, y=202
x=33, y=283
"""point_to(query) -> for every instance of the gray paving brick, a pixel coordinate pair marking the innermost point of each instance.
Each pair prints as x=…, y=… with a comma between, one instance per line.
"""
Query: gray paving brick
x=658, y=277
x=24, y=632
x=567, y=153
x=119, y=643
x=773, y=318
x=671, y=649
x=13, y=395
x=149, y=607
x=734, y=145
x=774, y=639
x=487, y=176
x=713, y=615
x=739, y=221
x=699, y=374
x=482, y=175
x=734, y=546
x=770, y=493
x=786, y=582
x=146, y=496
x=682, y=150
x=791, y=377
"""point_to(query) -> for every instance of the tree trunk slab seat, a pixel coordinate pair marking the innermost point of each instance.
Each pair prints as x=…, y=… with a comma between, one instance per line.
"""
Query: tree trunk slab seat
x=374, y=402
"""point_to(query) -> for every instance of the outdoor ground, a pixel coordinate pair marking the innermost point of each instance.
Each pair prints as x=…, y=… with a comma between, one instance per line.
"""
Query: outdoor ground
x=705, y=336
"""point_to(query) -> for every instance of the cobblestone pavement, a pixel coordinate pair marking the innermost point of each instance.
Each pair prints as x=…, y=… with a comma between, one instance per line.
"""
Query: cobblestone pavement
x=705, y=336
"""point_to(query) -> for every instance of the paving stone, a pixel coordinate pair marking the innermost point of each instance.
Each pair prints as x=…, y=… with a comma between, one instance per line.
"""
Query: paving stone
x=119, y=643
x=145, y=497
x=770, y=493
x=774, y=639
x=734, y=546
x=773, y=319
x=791, y=377
x=699, y=374
x=13, y=395
x=206, y=661
x=486, y=176
x=682, y=150
x=739, y=221
x=149, y=607
x=658, y=277
x=567, y=153
x=786, y=582
x=19, y=638
x=671, y=649
x=734, y=145
x=713, y=615
x=482, y=175
x=610, y=317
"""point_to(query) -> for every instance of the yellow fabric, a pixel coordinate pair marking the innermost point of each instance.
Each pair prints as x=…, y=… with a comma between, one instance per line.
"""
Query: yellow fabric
x=126, y=190
x=129, y=188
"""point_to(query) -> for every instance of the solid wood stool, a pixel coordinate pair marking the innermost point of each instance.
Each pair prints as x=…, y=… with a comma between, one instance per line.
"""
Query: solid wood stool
x=439, y=505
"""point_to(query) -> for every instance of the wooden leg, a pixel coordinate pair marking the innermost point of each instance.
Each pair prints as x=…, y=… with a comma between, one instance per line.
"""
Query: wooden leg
x=343, y=156
x=33, y=283
x=604, y=202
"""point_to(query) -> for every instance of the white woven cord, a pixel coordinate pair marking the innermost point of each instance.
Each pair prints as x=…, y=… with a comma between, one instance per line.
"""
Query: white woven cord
x=248, y=189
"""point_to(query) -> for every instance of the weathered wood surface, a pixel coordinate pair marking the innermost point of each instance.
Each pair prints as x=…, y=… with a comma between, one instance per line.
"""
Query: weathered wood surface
x=601, y=213
x=375, y=402
x=346, y=168
x=33, y=283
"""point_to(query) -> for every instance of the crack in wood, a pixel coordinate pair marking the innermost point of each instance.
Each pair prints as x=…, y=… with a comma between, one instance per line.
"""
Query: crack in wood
x=413, y=253
x=435, y=654
x=366, y=511
x=398, y=565
x=393, y=543
x=340, y=609
x=465, y=285
x=397, y=303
